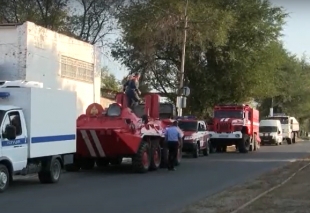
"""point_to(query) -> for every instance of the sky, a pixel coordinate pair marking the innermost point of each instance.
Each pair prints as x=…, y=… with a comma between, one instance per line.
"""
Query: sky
x=296, y=32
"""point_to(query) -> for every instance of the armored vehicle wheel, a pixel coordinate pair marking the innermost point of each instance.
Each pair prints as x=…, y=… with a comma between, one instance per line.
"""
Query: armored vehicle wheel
x=116, y=161
x=4, y=178
x=155, y=157
x=142, y=160
x=102, y=162
x=51, y=171
x=87, y=163
x=179, y=157
x=244, y=144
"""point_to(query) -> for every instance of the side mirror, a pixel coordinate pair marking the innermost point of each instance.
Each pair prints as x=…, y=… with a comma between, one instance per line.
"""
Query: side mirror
x=279, y=132
x=10, y=132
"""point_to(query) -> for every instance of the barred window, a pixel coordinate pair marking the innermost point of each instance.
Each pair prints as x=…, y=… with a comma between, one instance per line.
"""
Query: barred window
x=76, y=69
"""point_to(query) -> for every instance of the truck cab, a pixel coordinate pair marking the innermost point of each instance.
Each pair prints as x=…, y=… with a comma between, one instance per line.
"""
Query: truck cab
x=235, y=124
x=196, y=138
x=290, y=126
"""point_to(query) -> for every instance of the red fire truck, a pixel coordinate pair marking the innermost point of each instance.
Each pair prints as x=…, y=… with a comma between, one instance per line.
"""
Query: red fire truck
x=234, y=125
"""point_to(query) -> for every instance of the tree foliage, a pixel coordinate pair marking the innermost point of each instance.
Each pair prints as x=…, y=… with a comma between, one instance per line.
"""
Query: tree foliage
x=109, y=81
x=233, y=48
x=88, y=20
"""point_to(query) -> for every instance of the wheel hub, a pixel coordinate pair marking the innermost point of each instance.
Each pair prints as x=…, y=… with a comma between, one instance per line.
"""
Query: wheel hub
x=56, y=170
x=145, y=159
x=3, y=179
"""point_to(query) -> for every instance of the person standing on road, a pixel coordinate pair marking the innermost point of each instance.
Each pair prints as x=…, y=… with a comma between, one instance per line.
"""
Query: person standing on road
x=173, y=139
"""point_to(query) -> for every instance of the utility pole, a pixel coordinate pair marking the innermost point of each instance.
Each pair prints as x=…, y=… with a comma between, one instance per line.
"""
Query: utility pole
x=181, y=80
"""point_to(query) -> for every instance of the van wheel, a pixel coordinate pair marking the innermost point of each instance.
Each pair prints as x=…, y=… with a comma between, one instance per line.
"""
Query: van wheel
x=4, y=178
x=51, y=171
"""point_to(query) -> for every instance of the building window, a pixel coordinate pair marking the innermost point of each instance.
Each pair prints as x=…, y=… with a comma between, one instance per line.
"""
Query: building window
x=76, y=69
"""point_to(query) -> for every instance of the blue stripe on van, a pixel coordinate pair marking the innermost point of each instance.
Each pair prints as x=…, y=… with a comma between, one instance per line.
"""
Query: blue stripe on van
x=42, y=139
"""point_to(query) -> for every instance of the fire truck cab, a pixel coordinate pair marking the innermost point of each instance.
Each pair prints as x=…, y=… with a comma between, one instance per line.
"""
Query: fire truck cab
x=235, y=125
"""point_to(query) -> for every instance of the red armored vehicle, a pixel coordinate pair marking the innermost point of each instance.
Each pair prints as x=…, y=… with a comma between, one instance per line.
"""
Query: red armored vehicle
x=235, y=125
x=107, y=136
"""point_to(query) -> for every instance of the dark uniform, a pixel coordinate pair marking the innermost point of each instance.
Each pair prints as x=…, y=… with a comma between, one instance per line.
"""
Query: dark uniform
x=132, y=92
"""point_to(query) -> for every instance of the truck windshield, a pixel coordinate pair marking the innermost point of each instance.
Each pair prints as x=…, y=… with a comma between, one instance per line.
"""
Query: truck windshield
x=283, y=120
x=188, y=125
x=268, y=129
x=228, y=114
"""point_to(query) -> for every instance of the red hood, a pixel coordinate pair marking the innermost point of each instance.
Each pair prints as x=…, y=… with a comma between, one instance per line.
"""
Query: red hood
x=188, y=133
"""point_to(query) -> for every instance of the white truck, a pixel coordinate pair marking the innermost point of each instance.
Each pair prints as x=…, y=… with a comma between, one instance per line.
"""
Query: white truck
x=38, y=132
x=290, y=126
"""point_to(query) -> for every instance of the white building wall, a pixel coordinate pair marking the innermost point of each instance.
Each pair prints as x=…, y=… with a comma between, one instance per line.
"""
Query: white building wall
x=44, y=56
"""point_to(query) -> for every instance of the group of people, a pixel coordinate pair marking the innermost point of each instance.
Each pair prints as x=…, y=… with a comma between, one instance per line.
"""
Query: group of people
x=173, y=135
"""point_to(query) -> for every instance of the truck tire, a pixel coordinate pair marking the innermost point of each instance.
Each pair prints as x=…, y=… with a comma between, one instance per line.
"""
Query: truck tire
x=206, y=150
x=87, y=164
x=51, y=171
x=289, y=140
x=102, y=162
x=244, y=145
x=196, y=150
x=142, y=160
x=155, y=156
x=4, y=178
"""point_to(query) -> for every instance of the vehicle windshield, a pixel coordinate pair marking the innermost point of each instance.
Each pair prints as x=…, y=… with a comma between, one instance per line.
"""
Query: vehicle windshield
x=283, y=120
x=188, y=125
x=228, y=114
x=268, y=129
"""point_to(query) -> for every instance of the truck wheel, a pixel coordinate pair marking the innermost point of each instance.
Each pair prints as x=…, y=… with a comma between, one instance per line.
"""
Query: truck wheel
x=212, y=148
x=196, y=151
x=244, y=145
x=142, y=160
x=116, y=161
x=4, y=178
x=155, y=157
x=293, y=138
x=179, y=157
x=102, y=162
x=51, y=171
x=206, y=150
x=289, y=140
x=87, y=163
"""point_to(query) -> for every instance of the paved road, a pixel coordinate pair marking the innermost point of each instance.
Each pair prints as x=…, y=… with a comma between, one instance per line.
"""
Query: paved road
x=119, y=191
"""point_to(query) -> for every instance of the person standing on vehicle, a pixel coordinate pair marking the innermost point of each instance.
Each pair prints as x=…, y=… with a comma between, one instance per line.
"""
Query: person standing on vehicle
x=129, y=77
x=173, y=139
x=132, y=91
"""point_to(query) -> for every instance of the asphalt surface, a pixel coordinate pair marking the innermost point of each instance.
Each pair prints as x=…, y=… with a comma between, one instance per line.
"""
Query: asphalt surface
x=117, y=190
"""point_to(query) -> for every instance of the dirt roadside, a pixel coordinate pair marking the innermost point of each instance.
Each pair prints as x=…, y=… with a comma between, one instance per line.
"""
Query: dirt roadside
x=292, y=197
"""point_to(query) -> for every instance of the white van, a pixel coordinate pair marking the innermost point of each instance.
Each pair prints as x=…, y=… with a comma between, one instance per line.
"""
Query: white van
x=270, y=132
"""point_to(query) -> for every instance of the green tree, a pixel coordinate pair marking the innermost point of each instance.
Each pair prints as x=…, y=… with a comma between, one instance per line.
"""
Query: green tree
x=108, y=81
x=233, y=52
